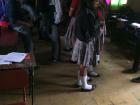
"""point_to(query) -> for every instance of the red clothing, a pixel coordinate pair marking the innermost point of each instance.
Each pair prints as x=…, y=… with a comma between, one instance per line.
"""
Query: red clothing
x=74, y=5
x=100, y=15
x=4, y=24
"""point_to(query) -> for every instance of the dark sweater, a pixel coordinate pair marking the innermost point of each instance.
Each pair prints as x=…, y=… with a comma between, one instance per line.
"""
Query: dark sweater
x=87, y=25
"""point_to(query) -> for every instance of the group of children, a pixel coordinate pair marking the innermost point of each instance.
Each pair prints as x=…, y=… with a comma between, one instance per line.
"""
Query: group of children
x=84, y=35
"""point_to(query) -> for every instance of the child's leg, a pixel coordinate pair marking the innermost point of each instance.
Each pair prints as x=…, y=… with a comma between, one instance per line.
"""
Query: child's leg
x=92, y=71
x=83, y=77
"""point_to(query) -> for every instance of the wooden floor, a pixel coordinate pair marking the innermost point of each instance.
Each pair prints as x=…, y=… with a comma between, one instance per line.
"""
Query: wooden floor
x=54, y=82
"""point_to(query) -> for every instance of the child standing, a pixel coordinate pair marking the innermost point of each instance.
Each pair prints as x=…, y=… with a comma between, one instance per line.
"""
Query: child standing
x=86, y=30
x=70, y=34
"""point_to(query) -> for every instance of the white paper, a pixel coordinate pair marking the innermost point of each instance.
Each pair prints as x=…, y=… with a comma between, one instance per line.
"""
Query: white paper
x=2, y=57
x=121, y=19
x=136, y=25
x=2, y=61
x=114, y=16
x=15, y=57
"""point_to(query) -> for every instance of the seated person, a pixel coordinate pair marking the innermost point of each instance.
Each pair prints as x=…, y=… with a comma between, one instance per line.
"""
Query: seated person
x=136, y=61
x=14, y=12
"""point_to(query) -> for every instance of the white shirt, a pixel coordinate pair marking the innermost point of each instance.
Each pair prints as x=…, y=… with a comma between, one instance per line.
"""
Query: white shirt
x=58, y=10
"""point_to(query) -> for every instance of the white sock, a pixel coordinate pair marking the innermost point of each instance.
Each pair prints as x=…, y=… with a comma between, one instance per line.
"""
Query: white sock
x=79, y=83
x=85, y=85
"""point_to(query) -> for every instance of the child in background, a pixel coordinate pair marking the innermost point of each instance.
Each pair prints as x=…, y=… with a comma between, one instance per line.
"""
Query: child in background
x=70, y=34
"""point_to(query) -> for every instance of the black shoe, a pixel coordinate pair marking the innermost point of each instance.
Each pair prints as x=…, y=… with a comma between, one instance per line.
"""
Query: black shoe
x=136, y=80
x=130, y=71
x=88, y=90
x=93, y=74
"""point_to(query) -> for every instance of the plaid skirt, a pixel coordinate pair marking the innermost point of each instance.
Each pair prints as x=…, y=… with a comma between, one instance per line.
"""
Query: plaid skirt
x=83, y=53
x=70, y=34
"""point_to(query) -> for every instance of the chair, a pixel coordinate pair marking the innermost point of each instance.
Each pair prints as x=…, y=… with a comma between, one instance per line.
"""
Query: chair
x=15, y=79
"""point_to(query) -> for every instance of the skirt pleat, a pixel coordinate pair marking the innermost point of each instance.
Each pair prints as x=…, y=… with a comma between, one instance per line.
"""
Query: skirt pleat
x=70, y=34
x=83, y=52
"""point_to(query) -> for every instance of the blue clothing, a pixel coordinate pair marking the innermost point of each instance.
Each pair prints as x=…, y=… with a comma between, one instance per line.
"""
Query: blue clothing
x=14, y=14
x=2, y=8
x=12, y=11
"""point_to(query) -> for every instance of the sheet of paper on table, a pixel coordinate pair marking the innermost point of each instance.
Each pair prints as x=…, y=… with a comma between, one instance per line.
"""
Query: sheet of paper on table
x=2, y=61
x=15, y=57
x=123, y=20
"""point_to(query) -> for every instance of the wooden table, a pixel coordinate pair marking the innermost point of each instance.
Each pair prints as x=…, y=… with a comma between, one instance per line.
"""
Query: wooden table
x=29, y=64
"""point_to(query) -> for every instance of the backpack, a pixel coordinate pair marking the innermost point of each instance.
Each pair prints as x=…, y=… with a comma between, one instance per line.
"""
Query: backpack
x=3, y=18
x=87, y=26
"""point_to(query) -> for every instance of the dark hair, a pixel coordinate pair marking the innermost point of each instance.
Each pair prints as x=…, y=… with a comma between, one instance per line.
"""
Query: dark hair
x=86, y=24
x=85, y=4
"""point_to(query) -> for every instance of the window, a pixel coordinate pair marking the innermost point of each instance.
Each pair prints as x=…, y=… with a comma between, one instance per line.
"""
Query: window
x=115, y=4
x=122, y=2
